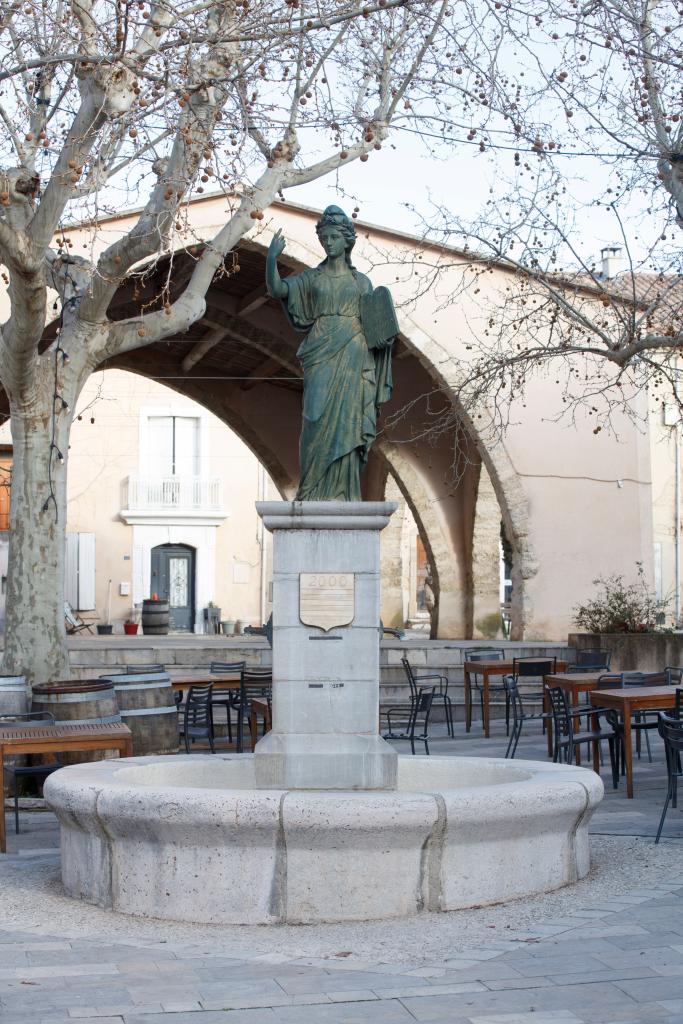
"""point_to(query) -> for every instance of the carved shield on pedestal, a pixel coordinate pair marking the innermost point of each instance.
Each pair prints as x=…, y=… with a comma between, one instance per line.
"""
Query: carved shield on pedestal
x=326, y=599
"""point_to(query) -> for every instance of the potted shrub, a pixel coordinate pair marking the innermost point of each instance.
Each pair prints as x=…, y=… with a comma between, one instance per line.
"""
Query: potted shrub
x=620, y=607
x=631, y=622
x=130, y=628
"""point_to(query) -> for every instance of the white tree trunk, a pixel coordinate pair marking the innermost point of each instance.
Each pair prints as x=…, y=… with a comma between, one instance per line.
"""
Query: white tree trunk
x=35, y=642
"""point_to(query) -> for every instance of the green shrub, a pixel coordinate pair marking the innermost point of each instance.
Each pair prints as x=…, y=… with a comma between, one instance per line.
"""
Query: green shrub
x=619, y=607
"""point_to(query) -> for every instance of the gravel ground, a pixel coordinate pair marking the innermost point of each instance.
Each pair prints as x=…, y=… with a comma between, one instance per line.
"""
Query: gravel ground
x=31, y=897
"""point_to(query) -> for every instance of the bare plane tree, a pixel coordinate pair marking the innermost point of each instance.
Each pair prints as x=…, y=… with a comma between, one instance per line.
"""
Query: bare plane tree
x=110, y=102
x=581, y=117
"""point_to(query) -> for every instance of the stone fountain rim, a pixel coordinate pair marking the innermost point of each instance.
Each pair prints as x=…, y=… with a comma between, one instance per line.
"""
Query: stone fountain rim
x=312, y=856
x=117, y=772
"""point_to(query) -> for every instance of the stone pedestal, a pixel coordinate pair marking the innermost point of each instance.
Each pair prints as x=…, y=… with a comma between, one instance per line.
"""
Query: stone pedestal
x=325, y=676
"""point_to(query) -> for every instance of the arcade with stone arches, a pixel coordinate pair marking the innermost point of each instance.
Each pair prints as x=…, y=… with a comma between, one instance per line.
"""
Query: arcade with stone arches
x=463, y=491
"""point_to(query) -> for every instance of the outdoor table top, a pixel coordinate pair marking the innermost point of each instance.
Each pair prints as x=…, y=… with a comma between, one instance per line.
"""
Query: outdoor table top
x=501, y=668
x=488, y=668
x=575, y=682
x=627, y=700
x=44, y=738
x=222, y=681
x=646, y=697
x=45, y=733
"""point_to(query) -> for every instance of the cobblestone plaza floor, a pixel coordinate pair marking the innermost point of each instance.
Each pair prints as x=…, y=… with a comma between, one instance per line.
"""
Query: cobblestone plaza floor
x=607, y=950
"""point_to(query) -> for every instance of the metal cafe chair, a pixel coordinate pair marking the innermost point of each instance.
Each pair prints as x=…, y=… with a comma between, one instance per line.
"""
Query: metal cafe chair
x=593, y=659
x=489, y=654
x=197, y=718
x=254, y=682
x=565, y=737
x=527, y=669
x=440, y=690
x=414, y=717
x=671, y=731
x=226, y=699
x=642, y=722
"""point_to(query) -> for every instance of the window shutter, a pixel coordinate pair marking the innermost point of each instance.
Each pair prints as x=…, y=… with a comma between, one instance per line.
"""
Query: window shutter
x=86, y=571
x=71, y=570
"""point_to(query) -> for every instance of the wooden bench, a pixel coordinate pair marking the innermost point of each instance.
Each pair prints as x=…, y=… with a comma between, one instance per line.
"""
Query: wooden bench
x=50, y=739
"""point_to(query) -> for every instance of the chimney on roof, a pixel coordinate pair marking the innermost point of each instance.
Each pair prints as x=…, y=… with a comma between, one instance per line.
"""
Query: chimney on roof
x=612, y=262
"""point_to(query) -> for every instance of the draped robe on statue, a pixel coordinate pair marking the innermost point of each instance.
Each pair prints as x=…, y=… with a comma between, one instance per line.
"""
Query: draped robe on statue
x=344, y=382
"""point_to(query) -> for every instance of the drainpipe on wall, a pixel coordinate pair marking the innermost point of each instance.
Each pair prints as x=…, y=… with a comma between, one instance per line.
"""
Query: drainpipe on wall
x=262, y=489
x=677, y=524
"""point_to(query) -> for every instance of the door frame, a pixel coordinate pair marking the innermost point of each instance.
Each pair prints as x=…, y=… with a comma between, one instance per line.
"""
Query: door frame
x=169, y=550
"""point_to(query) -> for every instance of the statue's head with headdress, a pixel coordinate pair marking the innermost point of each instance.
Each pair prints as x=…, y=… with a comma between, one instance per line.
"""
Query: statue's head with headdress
x=334, y=217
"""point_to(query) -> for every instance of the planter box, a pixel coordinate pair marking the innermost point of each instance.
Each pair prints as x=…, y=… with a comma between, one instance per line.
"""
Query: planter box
x=635, y=652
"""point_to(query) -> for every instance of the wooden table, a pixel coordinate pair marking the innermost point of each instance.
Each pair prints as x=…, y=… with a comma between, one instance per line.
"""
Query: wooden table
x=574, y=684
x=222, y=681
x=53, y=739
x=486, y=669
x=626, y=701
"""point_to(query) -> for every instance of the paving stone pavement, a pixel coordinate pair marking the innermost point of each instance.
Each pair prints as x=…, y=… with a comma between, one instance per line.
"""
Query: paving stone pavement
x=619, y=961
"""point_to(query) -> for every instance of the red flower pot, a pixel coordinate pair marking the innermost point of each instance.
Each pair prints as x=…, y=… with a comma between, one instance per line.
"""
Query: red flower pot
x=130, y=628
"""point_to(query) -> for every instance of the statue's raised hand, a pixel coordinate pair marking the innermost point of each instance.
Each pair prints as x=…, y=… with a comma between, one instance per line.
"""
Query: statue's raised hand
x=277, y=245
x=277, y=288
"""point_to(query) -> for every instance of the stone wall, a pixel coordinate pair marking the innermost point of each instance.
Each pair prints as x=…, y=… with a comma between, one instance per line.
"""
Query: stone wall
x=644, y=652
x=445, y=657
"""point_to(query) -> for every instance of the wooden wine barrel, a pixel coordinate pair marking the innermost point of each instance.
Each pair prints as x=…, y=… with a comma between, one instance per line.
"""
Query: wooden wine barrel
x=13, y=701
x=79, y=702
x=149, y=710
x=13, y=695
x=155, y=617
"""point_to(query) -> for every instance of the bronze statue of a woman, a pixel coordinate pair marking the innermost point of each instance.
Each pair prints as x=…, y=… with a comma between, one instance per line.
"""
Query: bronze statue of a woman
x=346, y=359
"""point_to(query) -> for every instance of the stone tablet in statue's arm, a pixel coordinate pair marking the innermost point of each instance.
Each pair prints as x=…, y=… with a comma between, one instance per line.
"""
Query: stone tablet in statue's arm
x=378, y=318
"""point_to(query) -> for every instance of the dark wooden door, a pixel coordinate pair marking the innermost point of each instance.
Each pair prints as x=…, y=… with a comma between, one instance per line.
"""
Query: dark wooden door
x=173, y=570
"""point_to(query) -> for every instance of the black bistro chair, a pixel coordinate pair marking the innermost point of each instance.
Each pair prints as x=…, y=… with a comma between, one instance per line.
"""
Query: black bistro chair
x=566, y=738
x=439, y=685
x=527, y=671
x=197, y=717
x=593, y=659
x=254, y=682
x=643, y=722
x=671, y=731
x=227, y=698
x=411, y=721
x=488, y=654
x=32, y=771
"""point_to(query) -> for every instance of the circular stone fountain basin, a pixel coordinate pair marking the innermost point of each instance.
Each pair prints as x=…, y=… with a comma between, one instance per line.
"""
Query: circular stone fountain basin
x=192, y=839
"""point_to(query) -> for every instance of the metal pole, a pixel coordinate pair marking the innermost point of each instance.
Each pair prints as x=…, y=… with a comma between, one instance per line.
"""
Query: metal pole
x=677, y=521
x=262, y=488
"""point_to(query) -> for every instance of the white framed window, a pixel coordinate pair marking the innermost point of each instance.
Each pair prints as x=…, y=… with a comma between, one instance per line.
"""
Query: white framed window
x=174, y=441
x=173, y=446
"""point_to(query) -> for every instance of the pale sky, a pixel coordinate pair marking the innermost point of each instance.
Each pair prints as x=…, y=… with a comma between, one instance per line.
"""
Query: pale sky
x=403, y=172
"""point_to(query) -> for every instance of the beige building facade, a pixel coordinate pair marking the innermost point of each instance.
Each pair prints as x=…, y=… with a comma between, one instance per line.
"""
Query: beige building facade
x=573, y=504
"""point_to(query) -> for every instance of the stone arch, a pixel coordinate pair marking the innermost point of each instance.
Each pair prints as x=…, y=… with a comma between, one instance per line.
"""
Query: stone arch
x=447, y=582
x=486, y=447
x=243, y=332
